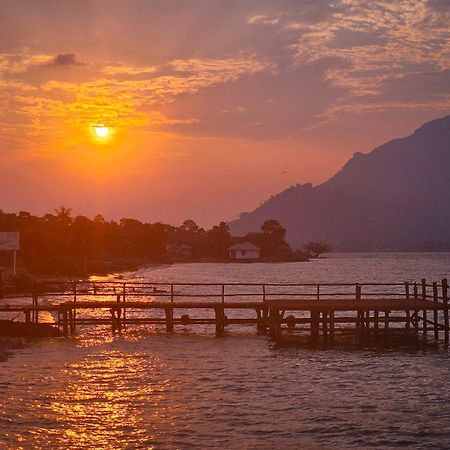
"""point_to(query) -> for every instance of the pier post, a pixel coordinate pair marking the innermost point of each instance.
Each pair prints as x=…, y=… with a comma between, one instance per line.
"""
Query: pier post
x=275, y=324
x=220, y=319
x=359, y=313
x=376, y=315
x=331, y=322
x=315, y=316
x=278, y=317
x=445, y=301
x=325, y=326
x=416, y=311
x=367, y=322
x=260, y=320
x=65, y=323
x=169, y=319
x=71, y=321
x=265, y=318
x=35, y=312
x=124, y=312
x=75, y=299
x=408, y=313
x=424, y=312
x=386, y=324
x=435, y=312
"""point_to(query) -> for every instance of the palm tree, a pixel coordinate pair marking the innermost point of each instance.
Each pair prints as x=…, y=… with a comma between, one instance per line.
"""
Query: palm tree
x=63, y=215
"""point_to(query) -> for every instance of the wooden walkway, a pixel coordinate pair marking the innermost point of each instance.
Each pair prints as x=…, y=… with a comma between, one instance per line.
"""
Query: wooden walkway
x=312, y=313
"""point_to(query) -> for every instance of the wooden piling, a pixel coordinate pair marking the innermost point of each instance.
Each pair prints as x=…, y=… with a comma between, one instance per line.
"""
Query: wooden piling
x=408, y=313
x=315, y=318
x=265, y=317
x=424, y=311
x=260, y=320
x=416, y=312
x=36, y=313
x=220, y=319
x=71, y=321
x=324, y=326
x=65, y=323
x=375, y=322
x=124, y=311
x=169, y=319
x=386, y=323
x=445, y=301
x=435, y=312
x=331, y=324
x=359, y=314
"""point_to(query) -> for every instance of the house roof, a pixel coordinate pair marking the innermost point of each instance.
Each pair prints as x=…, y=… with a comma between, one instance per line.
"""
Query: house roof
x=244, y=246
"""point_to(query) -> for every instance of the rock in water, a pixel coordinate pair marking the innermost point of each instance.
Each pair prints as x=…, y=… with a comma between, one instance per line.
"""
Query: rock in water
x=9, y=328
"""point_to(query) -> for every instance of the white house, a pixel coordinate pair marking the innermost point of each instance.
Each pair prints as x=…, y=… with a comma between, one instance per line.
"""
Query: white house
x=245, y=251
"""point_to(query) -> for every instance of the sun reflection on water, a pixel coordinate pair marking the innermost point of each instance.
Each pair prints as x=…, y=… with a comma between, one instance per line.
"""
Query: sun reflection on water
x=100, y=406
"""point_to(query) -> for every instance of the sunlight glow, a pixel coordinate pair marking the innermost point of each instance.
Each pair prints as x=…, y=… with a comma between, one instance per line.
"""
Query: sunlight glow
x=101, y=131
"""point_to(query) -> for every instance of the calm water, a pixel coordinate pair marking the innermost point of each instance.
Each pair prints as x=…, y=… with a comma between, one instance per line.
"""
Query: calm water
x=144, y=389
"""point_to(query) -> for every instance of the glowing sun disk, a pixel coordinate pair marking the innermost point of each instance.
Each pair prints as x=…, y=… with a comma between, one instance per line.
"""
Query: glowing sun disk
x=101, y=131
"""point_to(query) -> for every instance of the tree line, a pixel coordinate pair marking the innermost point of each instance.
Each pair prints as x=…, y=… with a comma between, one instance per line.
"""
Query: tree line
x=58, y=243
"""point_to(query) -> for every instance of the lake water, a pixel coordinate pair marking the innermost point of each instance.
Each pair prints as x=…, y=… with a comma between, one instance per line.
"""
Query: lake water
x=144, y=389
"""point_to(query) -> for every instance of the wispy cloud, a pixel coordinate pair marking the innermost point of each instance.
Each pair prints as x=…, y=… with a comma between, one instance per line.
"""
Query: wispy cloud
x=263, y=19
x=367, y=44
x=110, y=93
x=318, y=59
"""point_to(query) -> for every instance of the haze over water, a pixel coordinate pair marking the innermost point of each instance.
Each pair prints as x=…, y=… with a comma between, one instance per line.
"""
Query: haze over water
x=144, y=388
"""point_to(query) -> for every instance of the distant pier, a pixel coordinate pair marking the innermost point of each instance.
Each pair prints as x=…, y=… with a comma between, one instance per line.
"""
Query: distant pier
x=297, y=313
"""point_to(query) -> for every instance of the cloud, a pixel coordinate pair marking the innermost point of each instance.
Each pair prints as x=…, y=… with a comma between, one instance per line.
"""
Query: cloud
x=378, y=43
x=64, y=60
x=110, y=93
x=263, y=19
x=20, y=62
x=276, y=66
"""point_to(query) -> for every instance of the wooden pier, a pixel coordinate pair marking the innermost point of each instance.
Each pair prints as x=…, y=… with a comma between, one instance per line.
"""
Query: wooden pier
x=301, y=313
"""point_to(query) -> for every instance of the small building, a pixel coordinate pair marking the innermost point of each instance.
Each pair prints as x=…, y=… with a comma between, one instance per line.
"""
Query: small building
x=245, y=251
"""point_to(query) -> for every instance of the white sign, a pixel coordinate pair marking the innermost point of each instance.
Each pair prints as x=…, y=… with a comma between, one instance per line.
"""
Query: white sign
x=9, y=240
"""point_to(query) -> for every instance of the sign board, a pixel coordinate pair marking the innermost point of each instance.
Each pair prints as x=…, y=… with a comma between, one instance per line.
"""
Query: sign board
x=9, y=240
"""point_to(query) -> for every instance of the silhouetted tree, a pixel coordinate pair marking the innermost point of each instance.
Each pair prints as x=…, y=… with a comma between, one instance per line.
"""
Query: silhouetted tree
x=217, y=241
x=274, y=230
x=61, y=244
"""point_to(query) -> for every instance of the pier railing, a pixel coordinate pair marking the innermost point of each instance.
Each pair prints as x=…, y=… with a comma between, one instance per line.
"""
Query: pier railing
x=127, y=302
x=227, y=292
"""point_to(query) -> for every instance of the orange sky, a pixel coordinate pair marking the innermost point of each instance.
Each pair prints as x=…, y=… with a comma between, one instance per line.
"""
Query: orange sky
x=212, y=105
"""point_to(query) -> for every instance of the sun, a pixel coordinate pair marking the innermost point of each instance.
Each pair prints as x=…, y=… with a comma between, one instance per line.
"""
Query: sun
x=101, y=131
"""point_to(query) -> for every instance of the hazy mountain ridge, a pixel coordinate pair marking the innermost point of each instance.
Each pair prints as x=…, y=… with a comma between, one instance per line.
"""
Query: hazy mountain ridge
x=395, y=197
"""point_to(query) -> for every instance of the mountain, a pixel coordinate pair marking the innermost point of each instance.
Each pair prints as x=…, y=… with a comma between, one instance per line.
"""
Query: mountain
x=396, y=197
